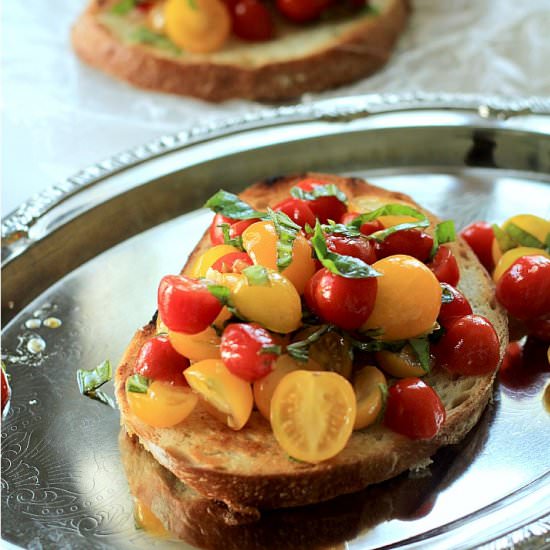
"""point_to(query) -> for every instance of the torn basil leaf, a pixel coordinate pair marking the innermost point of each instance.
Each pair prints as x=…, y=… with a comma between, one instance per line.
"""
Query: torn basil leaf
x=388, y=210
x=504, y=240
x=379, y=236
x=340, y=229
x=143, y=35
x=222, y=293
x=421, y=348
x=345, y=266
x=237, y=241
x=257, y=275
x=521, y=237
x=325, y=190
x=137, y=384
x=444, y=233
x=229, y=205
x=89, y=382
x=123, y=7
x=287, y=231
x=300, y=350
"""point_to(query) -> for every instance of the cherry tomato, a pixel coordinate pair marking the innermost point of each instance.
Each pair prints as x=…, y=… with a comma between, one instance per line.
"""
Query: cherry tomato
x=144, y=6
x=324, y=208
x=234, y=262
x=200, y=26
x=200, y=265
x=312, y=414
x=301, y=11
x=215, y=231
x=539, y=329
x=510, y=256
x=345, y=302
x=298, y=211
x=445, y=266
x=524, y=289
x=458, y=307
x=369, y=384
x=251, y=20
x=158, y=360
x=5, y=390
x=480, y=237
x=412, y=242
x=414, y=409
x=244, y=350
x=352, y=246
x=469, y=346
x=186, y=304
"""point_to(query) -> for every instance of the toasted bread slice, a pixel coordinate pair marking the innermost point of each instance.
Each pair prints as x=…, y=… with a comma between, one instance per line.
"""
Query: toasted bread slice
x=318, y=56
x=248, y=468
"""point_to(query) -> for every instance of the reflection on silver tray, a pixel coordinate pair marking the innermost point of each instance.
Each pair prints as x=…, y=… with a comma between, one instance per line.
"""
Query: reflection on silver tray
x=68, y=254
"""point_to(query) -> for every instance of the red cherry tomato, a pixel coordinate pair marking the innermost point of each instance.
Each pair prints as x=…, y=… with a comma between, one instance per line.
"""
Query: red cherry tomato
x=324, y=208
x=459, y=307
x=186, y=305
x=237, y=228
x=144, y=6
x=414, y=409
x=244, y=350
x=445, y=266
x=251, y=20
x=352, y=246
x=412, y=242
x=234, y=262
x=215, y=231
x=5, y=391
x=298, y=211
x=539, y=329
x=158, y=360
x=344, y=302
x=301, y=11
x=480, y=236
x=367, y=228
x=469, y=346
x=524, y=288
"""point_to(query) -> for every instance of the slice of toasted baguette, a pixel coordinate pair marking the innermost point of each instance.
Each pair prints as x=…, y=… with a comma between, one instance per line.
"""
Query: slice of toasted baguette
x=247, y=468
x=316, y=57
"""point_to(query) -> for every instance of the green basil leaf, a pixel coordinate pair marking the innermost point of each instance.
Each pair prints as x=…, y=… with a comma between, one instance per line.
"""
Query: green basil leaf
x=446, y=295
x=276, y=349
x=326, y=190
x=137, y=383
x=387, y=210
x=143, y=35
x=222, y=293
x=229, y=205
x=123, y=7
x=102, y=397
x=444, y=233
x=521, y=237
x=257, y=275
x=340, y=229
x=90, y=380
x=379, y=236
x=345, y=266
x=237, y=241
x=504, y=240
x=287, y=231
x=300, y=350
x=421, y=348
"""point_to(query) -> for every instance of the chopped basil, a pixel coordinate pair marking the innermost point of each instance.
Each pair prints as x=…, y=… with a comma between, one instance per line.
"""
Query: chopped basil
x=222, y=293
x=89, y=382
x=143, y=35
x=237, y=241
x=229, y=205
x=257, y=275
x=421, y=348
x=387, y=210
x=345, y=266
x=137, y=384
x=327, y=190
x=504, y=240
x=340, y=229
x=300, y=350
x=277, y=350
x=444, y=233
x=446, y=295
x=523, y=238
x=287, y=232
x=123, y=7
x=379, y=236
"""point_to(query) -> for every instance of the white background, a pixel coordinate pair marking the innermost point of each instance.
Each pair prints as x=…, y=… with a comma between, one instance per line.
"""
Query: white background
x=59, y=116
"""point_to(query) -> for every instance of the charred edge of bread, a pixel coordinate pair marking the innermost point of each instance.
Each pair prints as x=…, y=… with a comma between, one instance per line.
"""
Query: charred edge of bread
x=248, y=470
x=359, y=53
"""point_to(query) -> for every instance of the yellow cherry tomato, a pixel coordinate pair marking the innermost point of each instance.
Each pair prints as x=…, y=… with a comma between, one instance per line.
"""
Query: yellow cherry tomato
x=510, y=256
x=163, y=405
x=534, y=225
x=207, y=259
x=407, y=300
x=229, y=394
x=275, y=305
x=148, y=521
x=312, y=414
x=369, y=384
x=400, y=364
x=260, y=241
x=264, y=387
x=198, y=26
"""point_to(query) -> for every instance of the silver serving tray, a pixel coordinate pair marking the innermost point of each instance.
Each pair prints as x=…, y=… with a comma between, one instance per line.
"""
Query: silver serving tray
x=91, y=250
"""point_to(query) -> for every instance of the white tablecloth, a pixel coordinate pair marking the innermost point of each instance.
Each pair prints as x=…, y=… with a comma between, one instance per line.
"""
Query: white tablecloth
x=58, y=115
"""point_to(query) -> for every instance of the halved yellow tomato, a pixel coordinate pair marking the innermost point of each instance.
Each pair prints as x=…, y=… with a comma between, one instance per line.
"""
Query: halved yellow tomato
x=400, y=364
x=163, y=405
x=312, y=414
x=369, y=384
x=229, y=394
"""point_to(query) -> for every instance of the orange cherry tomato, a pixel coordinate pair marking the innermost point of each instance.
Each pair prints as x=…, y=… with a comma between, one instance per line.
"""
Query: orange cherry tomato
x=370, y=389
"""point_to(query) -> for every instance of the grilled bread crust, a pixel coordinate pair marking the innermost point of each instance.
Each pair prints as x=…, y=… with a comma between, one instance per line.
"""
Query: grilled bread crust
x=247, y=469
x=316, y=58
